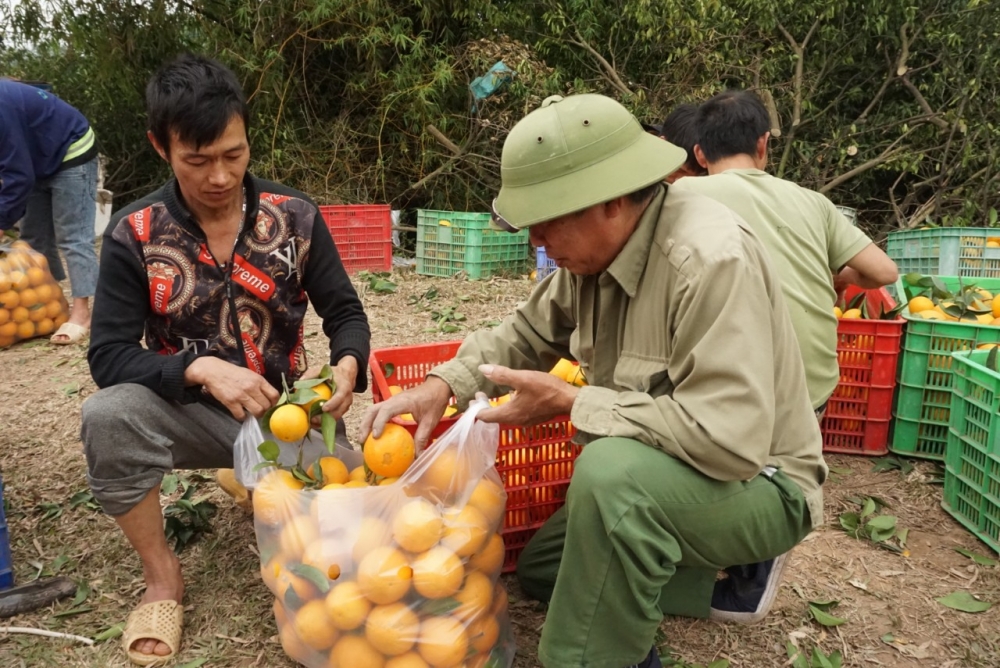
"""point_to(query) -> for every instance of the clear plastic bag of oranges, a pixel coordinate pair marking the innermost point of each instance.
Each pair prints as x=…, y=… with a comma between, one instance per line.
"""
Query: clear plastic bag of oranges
x=392, y=573
x=31, y=302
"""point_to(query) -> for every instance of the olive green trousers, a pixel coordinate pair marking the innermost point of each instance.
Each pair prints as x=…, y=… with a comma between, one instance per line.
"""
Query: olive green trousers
x=643, y=535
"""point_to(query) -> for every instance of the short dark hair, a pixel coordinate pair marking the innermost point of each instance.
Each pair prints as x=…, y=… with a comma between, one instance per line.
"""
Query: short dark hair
x=197, y=98
x=642, y=194
x=680, y=128
x=730, y=123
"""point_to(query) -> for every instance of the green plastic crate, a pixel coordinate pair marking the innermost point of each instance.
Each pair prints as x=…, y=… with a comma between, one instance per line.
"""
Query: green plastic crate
x=923, y=404
x=451, y=242
x=947, y=251
x=972, y=462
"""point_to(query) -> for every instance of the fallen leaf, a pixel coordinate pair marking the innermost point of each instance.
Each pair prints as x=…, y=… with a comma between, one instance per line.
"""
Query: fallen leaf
x=978, y=558
x=964, y=602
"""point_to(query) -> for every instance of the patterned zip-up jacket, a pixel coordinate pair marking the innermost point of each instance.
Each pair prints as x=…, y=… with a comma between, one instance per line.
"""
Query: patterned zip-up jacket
x=158, y=279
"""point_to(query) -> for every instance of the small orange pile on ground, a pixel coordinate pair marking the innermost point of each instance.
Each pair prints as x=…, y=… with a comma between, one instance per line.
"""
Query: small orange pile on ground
x=31, y=302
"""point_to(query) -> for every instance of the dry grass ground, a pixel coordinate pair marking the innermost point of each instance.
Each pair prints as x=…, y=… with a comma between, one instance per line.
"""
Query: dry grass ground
x=229, y=621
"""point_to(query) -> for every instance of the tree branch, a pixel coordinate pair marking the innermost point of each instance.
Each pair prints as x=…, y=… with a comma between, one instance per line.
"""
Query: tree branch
x=609, y=72
x=934, y=117
x=799, y=50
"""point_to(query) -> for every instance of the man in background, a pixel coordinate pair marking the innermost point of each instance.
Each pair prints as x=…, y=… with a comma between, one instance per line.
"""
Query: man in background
x=811, y=245
x=48, y=175
x=680, y=129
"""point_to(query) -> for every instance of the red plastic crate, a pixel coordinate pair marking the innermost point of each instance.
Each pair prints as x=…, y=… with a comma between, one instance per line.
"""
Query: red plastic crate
x=362, y=233
x=860, y=409
x=536, y=463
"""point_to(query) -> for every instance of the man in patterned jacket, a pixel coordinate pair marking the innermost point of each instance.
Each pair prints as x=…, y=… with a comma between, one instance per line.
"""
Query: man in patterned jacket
x=216, y=269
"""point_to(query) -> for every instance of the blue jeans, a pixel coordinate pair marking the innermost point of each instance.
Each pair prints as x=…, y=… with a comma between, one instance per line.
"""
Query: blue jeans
x=60, y=214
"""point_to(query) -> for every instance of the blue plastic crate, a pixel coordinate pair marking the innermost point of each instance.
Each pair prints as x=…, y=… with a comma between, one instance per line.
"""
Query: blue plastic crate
x=6, y=562
x=543, y=265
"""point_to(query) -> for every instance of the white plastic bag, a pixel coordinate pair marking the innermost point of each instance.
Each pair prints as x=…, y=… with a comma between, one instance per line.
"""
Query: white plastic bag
x=404, y=574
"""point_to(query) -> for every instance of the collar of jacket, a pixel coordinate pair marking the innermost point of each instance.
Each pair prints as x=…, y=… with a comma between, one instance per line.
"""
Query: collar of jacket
x=179, y=212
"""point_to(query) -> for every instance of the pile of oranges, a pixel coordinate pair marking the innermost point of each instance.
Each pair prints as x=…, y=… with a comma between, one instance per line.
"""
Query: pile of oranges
x=406, y=578
x=984, y=310
x=31, y=302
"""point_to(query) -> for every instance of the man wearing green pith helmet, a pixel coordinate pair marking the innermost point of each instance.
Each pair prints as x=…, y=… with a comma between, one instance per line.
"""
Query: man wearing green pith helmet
x=702, y=450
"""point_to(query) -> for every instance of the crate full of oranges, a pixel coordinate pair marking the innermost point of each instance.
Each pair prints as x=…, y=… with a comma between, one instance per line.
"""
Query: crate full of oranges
x=944, y=314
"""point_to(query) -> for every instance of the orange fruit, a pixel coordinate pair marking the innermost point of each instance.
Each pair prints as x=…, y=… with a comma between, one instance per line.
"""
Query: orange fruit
x=443, y=642
x=394, y=390
x=444, y=472
x=313, y=627
x=4, y=316
x=286, y=581
x=297, y=534
x=19, y=314
x=465, y=530
x=54, y=308
x=358, y=473
x=289, y=423
x=280, y=616
x=270, y=571
x=19, y=281
x=36, y=276
x=36, y=314
x=392, y=629
x=489, y=499
x=408, y=660
x=28, y=298
x=26, y=330
x=324, y=391
x=437, y=573
x=8, y=330
x=837, y=313
x=276, y=497
x=45, y=327
x=920, y=303
x=346, y=606
x=995, y=307
x=44, y=293
x=499, y=599
x=384, y=575
x=355, y=652
x=390, y=454
x=372, y=533
x=475, y=597
x=563, y=369
x=290, y=642
x=484, y=633
x=326, y=556
x=4, y=281
x=333, y=470
x=9, y=299
x=490, y=558
x=417, y=526
x=61, y=319
x=852, y=314
x=385, y=482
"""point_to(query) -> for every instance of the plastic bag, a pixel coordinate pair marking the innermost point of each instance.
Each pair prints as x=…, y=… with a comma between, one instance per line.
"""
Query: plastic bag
x=396, y=576
x=31, y=302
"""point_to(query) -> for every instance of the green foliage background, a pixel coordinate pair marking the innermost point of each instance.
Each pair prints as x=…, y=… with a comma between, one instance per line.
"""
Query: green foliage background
x=889, y=106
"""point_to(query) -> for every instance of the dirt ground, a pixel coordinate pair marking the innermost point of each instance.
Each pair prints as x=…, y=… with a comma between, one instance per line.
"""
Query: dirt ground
x=887, y=598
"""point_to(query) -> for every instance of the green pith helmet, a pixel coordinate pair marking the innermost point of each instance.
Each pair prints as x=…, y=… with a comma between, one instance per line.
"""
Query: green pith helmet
x=575, y=152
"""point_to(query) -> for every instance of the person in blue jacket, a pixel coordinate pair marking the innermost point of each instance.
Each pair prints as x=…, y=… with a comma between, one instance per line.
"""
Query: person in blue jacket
x=48, y=182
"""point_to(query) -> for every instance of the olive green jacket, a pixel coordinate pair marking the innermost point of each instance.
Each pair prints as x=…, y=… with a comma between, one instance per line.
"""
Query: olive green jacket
x=686, y=343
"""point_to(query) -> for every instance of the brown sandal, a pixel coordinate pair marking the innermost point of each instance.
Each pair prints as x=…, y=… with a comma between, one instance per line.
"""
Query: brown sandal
x=162, y=621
